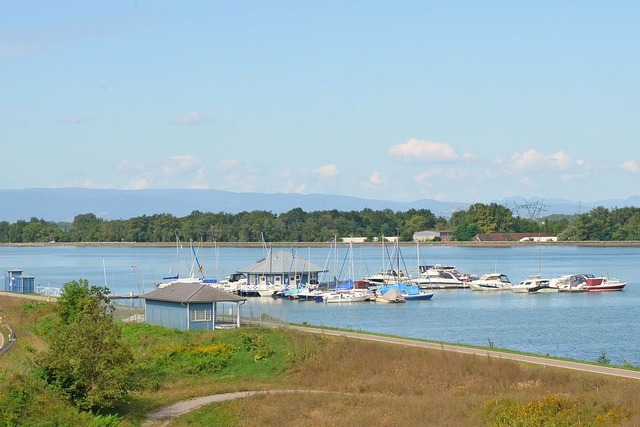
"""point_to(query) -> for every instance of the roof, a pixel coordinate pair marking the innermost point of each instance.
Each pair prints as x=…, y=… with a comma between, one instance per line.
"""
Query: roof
x=283, y=262
x=191, y=293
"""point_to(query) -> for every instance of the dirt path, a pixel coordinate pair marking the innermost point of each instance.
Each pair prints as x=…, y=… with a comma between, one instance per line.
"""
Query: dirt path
x=163, y=416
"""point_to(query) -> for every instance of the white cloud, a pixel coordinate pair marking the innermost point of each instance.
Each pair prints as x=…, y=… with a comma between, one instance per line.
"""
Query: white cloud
x=200, y=180
x=530, y=160
x=376, y=178
x=137, y=184
x=424, y=176
x=420, y=151
x=128, y=165
x=184, y=162
x=89, y=183
x=533, y=160
x=228, y=164
x=191, y=118
x=328, y=171
x=630, y=166
x=293, y=187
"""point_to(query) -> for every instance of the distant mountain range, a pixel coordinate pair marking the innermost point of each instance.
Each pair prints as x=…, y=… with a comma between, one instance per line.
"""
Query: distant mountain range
x=63, y=204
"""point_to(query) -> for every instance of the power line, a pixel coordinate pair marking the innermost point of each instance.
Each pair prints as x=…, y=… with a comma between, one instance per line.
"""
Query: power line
x=531, y=208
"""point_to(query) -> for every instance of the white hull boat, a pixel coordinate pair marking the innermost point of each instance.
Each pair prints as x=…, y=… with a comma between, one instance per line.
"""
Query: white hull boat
x=491, y=282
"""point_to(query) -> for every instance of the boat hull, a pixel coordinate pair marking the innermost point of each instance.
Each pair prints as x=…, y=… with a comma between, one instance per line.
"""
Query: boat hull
x=605, y=288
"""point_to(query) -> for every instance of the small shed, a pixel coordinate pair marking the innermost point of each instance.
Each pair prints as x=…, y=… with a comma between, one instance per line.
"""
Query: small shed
x=16, y=281
x=189, y=306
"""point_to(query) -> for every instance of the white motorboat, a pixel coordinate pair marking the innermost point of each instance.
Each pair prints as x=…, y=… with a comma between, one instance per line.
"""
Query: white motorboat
x=491, y=282
x=573, y=282
x=433, y=278
x=388, y=277
x=352, y=295
x=533, y=285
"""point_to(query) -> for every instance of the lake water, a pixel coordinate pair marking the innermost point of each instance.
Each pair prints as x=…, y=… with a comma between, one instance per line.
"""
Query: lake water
x=576, y=325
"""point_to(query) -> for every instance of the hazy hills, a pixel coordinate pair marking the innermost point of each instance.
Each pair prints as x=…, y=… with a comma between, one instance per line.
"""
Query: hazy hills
x=63, y=204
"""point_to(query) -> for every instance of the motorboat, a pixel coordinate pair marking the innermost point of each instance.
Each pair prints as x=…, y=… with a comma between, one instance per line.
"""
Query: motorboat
x=433, y=278
x=232, y=283
x=491, y=282
x=172, y=280
x=390, y=276
x=448, y=268
x=534, y=285
x=575, y=282
x=605, y=284
x=346, y=296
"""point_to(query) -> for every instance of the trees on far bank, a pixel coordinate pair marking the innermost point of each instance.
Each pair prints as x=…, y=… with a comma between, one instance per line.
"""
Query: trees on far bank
x=297, y=225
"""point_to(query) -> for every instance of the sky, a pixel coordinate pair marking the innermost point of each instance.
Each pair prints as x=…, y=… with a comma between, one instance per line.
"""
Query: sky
x=456, y=101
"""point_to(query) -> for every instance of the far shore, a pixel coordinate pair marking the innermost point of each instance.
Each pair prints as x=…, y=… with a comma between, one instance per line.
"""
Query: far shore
x=616, y=243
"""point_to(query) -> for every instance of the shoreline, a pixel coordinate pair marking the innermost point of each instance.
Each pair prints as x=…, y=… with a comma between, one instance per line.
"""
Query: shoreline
x=600, y=243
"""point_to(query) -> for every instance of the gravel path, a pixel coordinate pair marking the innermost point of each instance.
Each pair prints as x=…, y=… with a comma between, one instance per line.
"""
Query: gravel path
x=163, y=416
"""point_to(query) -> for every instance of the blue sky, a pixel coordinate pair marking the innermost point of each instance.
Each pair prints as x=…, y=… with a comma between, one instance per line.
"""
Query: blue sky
x=455, y=101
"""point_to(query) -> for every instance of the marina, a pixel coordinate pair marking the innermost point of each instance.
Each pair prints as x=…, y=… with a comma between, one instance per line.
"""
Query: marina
x=577, y=325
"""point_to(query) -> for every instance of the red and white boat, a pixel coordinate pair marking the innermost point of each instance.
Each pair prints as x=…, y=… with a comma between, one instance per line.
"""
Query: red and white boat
x=599, y=284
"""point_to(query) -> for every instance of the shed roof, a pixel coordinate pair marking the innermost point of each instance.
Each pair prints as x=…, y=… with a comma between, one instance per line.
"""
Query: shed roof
x=191, y=293
x=282, y=262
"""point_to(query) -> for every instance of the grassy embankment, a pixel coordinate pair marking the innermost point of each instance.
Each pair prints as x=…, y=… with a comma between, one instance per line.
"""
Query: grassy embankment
x=366, y=383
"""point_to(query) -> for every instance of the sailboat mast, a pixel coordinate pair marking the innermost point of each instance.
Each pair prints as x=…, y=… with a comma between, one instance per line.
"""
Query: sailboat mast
x=104, y=272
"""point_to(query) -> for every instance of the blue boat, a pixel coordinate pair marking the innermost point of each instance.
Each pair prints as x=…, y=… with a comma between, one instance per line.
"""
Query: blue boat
x=410, y=292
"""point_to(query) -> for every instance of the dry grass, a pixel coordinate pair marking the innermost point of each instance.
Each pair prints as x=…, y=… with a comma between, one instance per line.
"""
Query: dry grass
x=374, y=384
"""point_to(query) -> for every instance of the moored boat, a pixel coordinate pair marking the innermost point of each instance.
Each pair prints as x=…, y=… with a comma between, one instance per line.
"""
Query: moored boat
x=605, y=285
x=491, y=282
x=433, y=278
x=392, y=295
x=409, y=291
x=534, y=285
x=576, y=282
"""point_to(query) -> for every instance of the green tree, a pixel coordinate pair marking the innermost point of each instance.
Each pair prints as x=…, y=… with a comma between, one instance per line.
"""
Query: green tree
x=36, y=231
x=87, y=361
x=86, y=228
x=629, y=230
x=466, y=232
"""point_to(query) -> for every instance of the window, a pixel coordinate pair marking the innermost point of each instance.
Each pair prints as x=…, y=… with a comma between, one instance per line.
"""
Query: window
x=201, y=315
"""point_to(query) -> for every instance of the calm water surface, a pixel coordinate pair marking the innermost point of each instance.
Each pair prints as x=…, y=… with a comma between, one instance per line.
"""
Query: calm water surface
x=579, y=325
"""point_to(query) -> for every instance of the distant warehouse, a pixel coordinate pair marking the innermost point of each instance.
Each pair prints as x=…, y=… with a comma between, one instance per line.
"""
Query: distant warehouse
x=515, y=237
x=431, y=235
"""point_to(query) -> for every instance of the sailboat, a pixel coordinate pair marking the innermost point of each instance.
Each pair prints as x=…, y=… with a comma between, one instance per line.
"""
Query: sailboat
x=346, y=291
x=403, y=285
x=173, y=279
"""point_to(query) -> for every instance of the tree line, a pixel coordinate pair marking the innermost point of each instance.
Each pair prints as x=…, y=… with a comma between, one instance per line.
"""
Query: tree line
x=296, y=225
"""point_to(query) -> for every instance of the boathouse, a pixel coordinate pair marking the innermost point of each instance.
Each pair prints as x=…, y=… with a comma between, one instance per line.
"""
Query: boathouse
x=16, y=281
x=283, y=269
x=189, y=306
